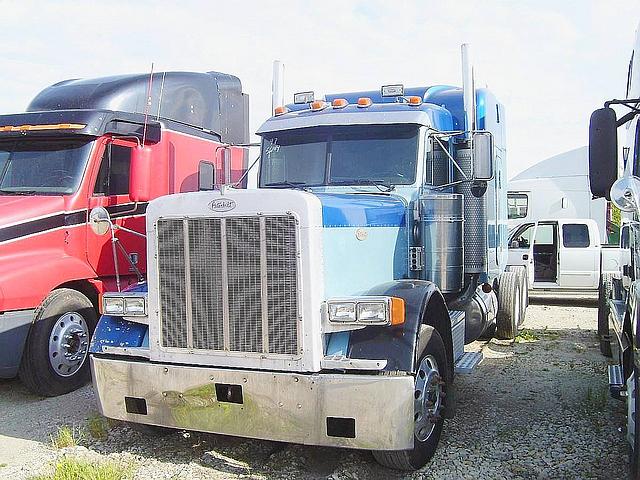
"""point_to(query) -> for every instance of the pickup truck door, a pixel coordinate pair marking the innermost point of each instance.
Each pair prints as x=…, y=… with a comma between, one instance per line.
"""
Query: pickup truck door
x=520, y=242
x=579, y=256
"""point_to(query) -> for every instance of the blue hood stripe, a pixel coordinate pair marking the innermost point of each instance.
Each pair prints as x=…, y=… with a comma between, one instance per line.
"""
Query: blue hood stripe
x=362, y=210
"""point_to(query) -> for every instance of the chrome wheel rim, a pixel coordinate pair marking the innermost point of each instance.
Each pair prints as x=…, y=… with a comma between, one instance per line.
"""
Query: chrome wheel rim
x=68, y=344
x=428, y=396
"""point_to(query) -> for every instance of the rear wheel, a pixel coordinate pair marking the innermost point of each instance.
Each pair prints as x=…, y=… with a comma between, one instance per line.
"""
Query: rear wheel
x=604, y=293
x=509, y=309
x=54, y=360
x=523, y=280
x=433, y=379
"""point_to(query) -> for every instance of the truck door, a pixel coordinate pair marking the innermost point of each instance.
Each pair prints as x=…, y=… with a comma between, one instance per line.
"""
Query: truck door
x=579, y=256
x=111, y=190
x=545, y=252
x=520, y=241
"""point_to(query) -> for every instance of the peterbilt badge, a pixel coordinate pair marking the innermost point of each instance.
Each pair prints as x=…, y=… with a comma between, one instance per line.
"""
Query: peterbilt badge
x=222, y=205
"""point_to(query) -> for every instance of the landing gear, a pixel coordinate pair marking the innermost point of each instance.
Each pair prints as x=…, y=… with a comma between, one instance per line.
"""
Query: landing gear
x=54, y=361
x=433, y=379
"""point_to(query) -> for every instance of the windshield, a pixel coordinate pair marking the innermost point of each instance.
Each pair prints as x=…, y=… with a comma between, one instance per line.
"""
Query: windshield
x=42, y=166
x=345, y=155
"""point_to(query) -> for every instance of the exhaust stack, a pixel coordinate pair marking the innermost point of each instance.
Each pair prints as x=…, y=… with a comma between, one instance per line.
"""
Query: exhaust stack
x=468, y=91
x=277, y=85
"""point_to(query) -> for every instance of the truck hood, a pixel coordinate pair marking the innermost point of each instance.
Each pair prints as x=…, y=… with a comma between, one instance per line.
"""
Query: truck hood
x=17, y=208
x=362, y=210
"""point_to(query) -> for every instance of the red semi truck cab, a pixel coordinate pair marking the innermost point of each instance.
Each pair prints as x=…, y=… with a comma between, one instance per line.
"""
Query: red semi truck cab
x=90, y=143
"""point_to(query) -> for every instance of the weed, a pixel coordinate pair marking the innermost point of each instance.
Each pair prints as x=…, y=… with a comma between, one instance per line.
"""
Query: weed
x=3, y=465
x=73, y=469
x=98, y=427
x=526, y=335
x=65, y=437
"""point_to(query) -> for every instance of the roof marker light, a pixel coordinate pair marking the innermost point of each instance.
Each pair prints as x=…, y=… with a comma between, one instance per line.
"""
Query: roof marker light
x=318, y=105
x=364, y=102
x=56, y=126
x=414, y=101
x=339, y=103
x=280, y=111
x=301, y=98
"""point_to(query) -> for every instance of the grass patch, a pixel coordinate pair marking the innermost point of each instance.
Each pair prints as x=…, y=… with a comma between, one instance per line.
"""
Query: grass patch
x=66, y=436
x=526, y=335
x=3, y=465
x=98, y=427
x=73, y=469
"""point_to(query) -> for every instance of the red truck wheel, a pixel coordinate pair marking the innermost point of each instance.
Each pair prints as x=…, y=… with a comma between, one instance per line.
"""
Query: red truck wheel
x=55, y=358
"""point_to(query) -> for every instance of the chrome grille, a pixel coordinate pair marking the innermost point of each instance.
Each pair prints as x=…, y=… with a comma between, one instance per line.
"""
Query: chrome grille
x=229, y=284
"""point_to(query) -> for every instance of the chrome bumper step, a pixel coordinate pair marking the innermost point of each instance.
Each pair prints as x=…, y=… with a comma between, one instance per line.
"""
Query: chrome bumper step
x=468, y=362
x=617, y=387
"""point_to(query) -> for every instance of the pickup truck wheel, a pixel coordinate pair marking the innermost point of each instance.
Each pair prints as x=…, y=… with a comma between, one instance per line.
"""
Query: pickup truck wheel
x=604, y=292
x=433, y=378
x=509, y=310
x=54, y=360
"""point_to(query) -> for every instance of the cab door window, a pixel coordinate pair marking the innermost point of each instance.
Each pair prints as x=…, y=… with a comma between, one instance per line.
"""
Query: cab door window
x=113, y=176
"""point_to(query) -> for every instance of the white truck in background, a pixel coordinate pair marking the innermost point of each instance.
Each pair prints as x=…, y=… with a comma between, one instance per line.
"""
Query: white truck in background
x=564, y=257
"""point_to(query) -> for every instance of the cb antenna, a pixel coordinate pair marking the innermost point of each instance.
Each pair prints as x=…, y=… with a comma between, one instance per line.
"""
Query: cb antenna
x=147, y=105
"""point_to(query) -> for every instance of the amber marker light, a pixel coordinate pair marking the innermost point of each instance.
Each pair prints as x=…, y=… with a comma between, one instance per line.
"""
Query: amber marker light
x=280, y=111
x=397, y=311
x=364, y=102
x=56, y=126
x=339, y=103
x=414, y=101
x=317, y=105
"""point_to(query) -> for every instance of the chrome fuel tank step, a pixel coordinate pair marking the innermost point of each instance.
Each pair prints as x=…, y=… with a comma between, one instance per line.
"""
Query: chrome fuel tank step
x=468, y=361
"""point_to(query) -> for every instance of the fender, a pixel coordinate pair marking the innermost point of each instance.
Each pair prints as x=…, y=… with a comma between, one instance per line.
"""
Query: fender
x=41, y=271
x=397, y=344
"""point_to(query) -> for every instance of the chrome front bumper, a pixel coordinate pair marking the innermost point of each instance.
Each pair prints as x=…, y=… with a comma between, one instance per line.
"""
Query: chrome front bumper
x=343, y=410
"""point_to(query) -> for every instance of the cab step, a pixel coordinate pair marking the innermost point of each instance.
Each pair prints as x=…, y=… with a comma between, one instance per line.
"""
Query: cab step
x=468, y=361
x=617, y=387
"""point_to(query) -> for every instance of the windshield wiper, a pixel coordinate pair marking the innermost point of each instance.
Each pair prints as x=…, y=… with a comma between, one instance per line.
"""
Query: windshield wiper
x=296, y=185
x=379, y=184
x=16, y=192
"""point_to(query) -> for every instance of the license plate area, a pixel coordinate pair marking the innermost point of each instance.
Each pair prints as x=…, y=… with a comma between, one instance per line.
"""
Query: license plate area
x=229, y=393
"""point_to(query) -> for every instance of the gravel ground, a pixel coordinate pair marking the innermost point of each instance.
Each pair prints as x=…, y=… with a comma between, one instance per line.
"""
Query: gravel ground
x=534, y=409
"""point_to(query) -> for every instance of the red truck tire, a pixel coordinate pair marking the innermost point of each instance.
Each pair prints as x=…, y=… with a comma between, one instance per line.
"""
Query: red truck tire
x=56, y=356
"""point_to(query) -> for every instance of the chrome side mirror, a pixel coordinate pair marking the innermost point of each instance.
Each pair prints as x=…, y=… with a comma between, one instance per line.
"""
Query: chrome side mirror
x=482, y=156
x=99, y=220
x=625, y=193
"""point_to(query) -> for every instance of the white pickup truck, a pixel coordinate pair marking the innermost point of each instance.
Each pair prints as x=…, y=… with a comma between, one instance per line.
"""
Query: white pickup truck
x=564, y=257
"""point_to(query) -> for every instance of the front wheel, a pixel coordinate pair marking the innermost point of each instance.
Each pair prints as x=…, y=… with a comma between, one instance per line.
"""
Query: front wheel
x=55, y=357
x=433, y=377
x=509, y=309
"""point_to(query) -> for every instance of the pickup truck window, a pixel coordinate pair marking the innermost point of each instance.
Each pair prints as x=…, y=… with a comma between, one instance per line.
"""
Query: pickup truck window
x=575, y=235
x=340, y=155
x=517, y=205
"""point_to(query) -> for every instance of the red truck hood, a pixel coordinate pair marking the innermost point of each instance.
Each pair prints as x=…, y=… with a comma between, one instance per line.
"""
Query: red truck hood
x=17, y=209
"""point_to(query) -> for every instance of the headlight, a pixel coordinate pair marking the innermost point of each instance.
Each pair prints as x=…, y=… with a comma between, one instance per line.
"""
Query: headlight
x=342, y=311
x=113, y=306
x=372, y=312
x=125, y=305
x=367, y=310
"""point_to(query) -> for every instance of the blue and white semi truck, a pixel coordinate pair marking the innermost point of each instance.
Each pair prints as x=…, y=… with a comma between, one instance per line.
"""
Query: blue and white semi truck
x=331, y=305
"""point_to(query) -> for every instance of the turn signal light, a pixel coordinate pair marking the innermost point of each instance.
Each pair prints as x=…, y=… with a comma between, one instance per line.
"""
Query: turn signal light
x=364, y=102
x=56, y=126
x=339, y=103
x=397, y=311
x=414, y=101
x=317, y=105
x=280, y=111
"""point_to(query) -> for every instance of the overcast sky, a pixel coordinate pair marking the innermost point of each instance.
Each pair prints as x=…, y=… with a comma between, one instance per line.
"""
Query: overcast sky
x=550, y=62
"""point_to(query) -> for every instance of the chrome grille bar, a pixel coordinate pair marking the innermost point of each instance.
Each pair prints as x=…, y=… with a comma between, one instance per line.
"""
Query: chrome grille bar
x=226, y=329
x=187, y=283
x=264, y=300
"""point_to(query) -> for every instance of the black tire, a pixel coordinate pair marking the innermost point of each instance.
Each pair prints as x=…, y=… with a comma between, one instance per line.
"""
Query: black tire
x=509, y=297
x=36, y=370
x=634, y=450
x=604, y=293
x=523, y=280
x=430, y=344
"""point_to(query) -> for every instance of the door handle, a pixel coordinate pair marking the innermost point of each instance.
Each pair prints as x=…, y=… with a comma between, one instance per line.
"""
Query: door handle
x=525, y=256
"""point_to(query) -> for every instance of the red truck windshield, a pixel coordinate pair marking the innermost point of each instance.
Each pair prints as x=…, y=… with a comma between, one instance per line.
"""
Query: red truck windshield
x=42, y=167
